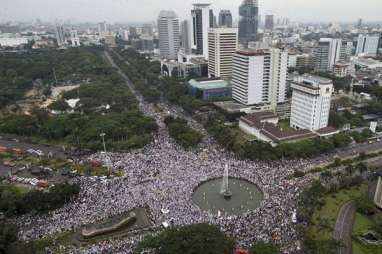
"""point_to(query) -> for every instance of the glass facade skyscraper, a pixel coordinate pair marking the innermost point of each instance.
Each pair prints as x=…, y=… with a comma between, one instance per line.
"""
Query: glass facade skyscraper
x=249, y=21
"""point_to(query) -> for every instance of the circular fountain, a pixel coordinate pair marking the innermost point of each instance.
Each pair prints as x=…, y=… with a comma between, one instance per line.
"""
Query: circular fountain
x=227, y=195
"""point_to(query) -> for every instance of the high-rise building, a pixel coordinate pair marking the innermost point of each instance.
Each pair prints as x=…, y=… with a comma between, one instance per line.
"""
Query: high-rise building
x=311, y=102
x=327, y=54
x=222, y=44
x=259, y=77
x=133, y=34
x=346, y=50
x=248, y=23
x=185, y=36
x=60, y=36
x=74, y=38
x=225, y=18
x=213, y=22
x=269, y=22
x=201, y=21
x=367, y=45
x=147, y=30
x=168, y=30
x=103, y=29
x=359, y=25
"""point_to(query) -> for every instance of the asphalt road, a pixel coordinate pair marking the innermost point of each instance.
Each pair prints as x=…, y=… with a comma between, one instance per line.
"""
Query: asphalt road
x=15, y=143
x=344, y=226
x=362, y=148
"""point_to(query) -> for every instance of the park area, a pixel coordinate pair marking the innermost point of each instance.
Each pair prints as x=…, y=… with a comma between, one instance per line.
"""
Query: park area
x=324, y=219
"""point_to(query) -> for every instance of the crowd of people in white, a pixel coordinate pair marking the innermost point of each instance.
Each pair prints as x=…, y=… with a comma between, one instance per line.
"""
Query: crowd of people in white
x=163, y=176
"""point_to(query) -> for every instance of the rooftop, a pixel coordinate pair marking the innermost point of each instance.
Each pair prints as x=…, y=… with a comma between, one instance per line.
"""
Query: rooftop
x=272, y=131
x=326, y=131
x=201, y=5
x=208, y=84
x=316, y=79
x=167, y=14
x=253, y=52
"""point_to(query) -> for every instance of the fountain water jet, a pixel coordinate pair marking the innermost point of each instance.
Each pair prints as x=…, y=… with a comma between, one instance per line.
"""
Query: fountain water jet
x=225, y=186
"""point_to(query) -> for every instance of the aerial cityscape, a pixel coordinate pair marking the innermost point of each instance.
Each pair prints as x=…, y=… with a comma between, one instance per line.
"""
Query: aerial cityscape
x=196, y=127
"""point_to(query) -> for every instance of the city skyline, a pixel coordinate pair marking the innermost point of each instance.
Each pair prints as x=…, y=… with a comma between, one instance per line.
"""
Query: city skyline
x=132, y=10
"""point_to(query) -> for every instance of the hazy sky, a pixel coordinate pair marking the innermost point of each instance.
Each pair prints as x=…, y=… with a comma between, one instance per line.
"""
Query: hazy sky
x=147, y=10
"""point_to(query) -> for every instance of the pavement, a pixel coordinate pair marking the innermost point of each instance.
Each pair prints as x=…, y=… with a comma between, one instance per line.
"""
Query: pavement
x=344, y=226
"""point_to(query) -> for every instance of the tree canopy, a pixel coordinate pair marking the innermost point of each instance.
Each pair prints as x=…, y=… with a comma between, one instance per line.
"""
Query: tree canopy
x=192, y=239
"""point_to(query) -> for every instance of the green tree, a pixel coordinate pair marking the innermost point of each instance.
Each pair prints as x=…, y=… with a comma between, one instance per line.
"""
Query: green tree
x=192, y=239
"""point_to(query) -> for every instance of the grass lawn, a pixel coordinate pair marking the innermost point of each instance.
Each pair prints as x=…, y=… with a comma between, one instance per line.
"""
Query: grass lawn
x=324, y=219
x=362, y=224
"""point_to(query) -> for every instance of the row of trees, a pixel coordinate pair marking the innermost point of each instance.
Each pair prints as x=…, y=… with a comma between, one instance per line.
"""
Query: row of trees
x=198, y=238
x=184, y=135
x=15, y=203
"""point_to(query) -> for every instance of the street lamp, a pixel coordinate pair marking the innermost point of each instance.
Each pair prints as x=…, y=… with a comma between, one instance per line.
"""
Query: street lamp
x=102, y=135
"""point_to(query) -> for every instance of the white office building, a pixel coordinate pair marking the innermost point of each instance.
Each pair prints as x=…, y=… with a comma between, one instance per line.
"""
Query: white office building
x=168, y=30
x=259, y=77
x=222, y=44
x=311, y=102
x=328, y=53
x=367, y=45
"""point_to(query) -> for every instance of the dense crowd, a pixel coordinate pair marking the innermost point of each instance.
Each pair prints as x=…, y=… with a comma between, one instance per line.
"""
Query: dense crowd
x=163, y=176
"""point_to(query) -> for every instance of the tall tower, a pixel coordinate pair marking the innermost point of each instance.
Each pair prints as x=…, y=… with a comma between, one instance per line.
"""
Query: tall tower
x=249, y=22
x=201, y=21
x=168, y=28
